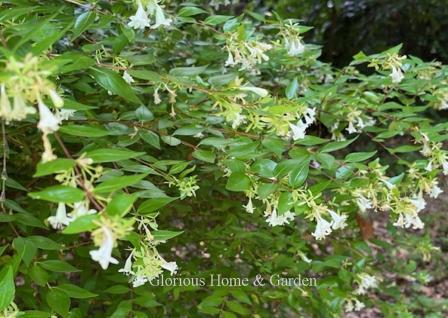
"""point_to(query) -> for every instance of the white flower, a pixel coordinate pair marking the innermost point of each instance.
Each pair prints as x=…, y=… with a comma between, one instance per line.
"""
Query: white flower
x=170, y=266
x=310, y=115
x=66, y=113
x=435, y=190
x=127, y=269
x=140, y=20
x=160, y=18
x=363, y=203
x=81, y=208
x=445, y=166
x=230, y=61
x=397, y=75
x=419, y=202
x=359, y=305
x=294, y=46
x=128, y=78
x=55, y=98
x=365, y=281
x=5, y=105
x=351, y=129
x=298, y=130
x=407, y=220
x=48, y=154
x=48, y=122
x=60, y=219
x=238, y=120
x=103, y=255
x=249, y=206
x=323, y=228
x=339, y=221
x=139, y=281
x=21, y=109
x=274, y=219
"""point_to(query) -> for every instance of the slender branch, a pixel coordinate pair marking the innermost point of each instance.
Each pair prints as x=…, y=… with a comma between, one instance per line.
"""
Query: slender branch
x=79, y=179
x=4, y=173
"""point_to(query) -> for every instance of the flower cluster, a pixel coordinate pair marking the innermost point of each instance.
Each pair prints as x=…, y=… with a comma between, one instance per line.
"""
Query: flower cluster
x=292, y=39
x=27, y=84
x=246, y=53
x=146, y=9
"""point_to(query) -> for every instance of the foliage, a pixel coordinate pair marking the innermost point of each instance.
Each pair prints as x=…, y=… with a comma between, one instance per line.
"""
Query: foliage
x=146, y=141
x=346, y=27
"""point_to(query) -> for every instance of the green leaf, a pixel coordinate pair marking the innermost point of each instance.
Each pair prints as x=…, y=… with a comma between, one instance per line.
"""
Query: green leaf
x=359, y=156
x=204, y=155
x=238, y=181
x=113, y=82
x=58, y=301
x=74, y=291
x=144, y=114
x=117, y=183
x=155, y=204
x=54, y=166
x=404, y=149
x=59, y=193
x=84, y=223
x=163, y=235
x=7, y=286
x=170, y=140
x=111, y=154
x=188, y=71
x=84, y=131
x=150, y=137
x=217, y=19
x=25, y=248
x=298, y=176
x=190, y=11
x=291, y=89
x=121, y=204
x=336, y=145
x=82, y=23
x=58, y=266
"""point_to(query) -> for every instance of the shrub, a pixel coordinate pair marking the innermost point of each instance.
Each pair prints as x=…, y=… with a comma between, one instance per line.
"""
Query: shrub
x=147, y=141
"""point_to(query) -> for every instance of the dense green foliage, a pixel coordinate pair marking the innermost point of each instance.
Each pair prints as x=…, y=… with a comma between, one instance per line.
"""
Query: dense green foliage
x=147, y=141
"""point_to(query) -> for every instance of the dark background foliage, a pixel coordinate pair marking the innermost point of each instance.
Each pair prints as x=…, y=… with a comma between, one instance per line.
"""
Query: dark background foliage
x=345, y=27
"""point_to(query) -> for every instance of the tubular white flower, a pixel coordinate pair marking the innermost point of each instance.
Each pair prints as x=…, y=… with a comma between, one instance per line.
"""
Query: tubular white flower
x=61, y=219
x=103, y=255
x=364, y=204
x=128, y=78
x=249, y=206
x=435, y=190
x=419, y=202
x=397, y=75
x=66, y=113
x=48, y=122
x=274, y=219
x=160, y=18
x=365, y=282
x=339, y=220
x=81, y=208
x=323, y=228
x=294, y=46
x=169, y=266
x=230, y=61
x=127, y=269
x=298, y=130
x=140, y=20
x=55, y=98
x=21, y=109
x=139, y=281
x=5, y=105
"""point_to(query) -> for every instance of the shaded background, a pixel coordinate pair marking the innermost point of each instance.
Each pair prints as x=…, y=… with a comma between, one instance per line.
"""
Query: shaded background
x=344, y=28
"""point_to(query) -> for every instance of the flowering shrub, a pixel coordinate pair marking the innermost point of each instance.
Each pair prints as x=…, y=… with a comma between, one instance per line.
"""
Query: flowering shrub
x=145, y=140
